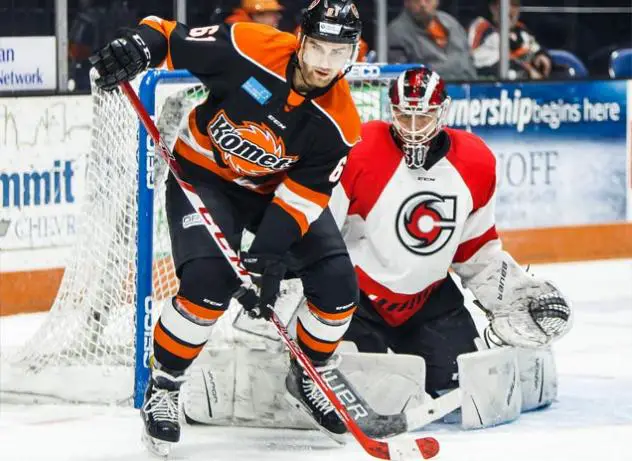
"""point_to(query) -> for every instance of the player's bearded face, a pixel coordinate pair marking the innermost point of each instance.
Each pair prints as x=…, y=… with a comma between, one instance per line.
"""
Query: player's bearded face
x=321, y=61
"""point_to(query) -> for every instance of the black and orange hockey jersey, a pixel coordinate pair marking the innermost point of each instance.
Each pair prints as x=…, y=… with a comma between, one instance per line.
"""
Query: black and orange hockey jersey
x=484, y=41
x=254, y=129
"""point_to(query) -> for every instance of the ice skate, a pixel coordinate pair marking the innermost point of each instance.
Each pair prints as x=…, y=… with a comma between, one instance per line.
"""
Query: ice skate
x=305, y=395
x=160, y=412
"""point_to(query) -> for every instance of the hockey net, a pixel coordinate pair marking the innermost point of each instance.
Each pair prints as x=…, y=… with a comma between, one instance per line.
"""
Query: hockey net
x=95, y=342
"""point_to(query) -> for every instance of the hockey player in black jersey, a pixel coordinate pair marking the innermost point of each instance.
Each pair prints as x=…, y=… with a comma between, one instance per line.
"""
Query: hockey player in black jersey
x=264, y=152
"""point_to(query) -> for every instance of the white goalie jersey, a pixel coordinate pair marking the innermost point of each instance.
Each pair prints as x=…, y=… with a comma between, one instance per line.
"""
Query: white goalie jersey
x=406, y=228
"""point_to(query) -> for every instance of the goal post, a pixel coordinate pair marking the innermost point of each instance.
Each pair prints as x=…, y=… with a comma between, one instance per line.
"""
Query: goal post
x=145, y=216
x=96, y=341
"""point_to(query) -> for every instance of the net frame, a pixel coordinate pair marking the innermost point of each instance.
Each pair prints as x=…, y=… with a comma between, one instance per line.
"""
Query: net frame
x=71, y=348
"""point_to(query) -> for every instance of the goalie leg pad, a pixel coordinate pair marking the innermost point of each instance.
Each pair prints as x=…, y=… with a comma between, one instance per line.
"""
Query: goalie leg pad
x=490, y=384
x=246, y=388
x=538, y=376
x=208, y=395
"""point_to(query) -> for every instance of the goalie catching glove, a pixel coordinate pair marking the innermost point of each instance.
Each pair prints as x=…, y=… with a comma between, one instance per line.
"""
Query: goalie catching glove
x=523, y=311
x=267, y=273
x=120, y=61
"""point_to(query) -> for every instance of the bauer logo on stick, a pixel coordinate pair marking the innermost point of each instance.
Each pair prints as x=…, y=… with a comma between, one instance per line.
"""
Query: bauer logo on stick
x=250, y=149
x=425, y=222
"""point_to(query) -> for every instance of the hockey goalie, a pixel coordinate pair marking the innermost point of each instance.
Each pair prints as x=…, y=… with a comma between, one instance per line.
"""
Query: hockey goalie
x=416, y=206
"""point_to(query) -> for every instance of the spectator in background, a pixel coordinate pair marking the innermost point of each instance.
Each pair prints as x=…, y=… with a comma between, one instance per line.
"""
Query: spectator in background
x=527, y=58
x=93, y=25
x=84, y=36
x=262, y=11
x=422, y=34
x=363, y=50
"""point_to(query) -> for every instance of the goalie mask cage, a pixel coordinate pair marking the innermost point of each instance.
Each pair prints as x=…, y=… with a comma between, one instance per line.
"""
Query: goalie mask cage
x=95, y=343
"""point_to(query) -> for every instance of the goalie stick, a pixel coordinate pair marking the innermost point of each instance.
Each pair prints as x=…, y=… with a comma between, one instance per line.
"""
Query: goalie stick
x=426, y=447
x=381, y=426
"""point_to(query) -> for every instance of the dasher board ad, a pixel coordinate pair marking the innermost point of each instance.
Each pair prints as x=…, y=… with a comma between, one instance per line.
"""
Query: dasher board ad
x=27, y=63
x=560, y=149
x=43, y=146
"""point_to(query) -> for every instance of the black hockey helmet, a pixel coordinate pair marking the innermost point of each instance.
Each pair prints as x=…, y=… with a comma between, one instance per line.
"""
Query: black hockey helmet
x=335, y=21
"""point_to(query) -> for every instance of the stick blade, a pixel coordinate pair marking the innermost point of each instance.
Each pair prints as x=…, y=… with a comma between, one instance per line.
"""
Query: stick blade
x=428, y=447
x=409, y=449
x=377, y=448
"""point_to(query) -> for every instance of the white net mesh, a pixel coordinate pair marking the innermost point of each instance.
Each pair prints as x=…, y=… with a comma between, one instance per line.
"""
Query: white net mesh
x=84, y=351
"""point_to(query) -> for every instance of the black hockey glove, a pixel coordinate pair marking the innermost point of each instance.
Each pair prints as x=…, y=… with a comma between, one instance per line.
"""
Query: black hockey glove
x=120, y=61
x=267, y=273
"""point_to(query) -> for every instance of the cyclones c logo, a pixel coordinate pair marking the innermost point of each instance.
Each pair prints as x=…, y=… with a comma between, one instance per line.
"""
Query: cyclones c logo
x=251, y=149
x=425, y=222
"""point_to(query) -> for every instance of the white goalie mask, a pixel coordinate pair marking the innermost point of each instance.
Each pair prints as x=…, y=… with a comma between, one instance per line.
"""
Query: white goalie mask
x=419, y=108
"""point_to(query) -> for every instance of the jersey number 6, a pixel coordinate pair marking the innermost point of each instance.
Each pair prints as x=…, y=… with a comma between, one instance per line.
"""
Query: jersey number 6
x=335, y=175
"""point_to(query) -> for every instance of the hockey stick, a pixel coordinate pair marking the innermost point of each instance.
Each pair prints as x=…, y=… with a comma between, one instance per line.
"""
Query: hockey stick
x=379, y=425
x=427, y=447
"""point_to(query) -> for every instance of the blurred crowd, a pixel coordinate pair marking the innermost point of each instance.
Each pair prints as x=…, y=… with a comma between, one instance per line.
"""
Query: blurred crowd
x=424, y=33
x=458, y=38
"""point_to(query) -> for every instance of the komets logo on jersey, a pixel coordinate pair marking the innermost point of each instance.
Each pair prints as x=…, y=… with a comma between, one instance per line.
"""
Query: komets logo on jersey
x=250, y=149
x=425, y=222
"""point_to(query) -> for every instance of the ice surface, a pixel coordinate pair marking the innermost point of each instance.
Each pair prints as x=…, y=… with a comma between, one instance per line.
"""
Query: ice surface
x=592, y=421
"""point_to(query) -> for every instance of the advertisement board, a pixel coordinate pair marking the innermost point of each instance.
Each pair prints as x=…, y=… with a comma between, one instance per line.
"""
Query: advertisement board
x=43, y=146
x=629, y=148
x=560, y=148
x=562, y=157
x=28, y=63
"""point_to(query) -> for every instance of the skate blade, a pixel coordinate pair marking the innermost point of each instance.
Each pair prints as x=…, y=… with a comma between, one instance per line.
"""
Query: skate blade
x=156, y=447
x=340, y=439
